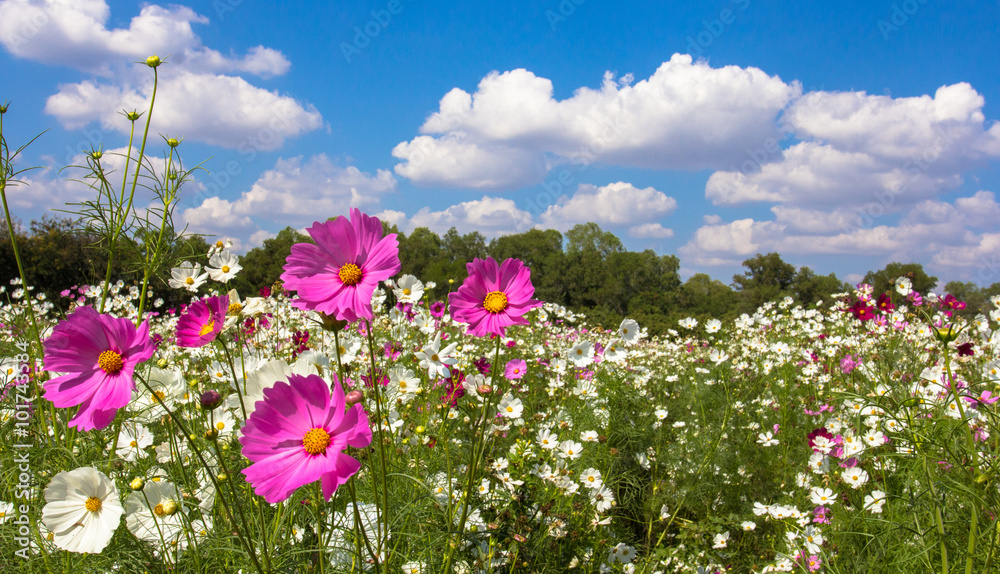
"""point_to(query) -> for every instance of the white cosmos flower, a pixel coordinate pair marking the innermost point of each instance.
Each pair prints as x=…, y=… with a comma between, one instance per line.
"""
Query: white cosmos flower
x=822, y=496
x=582, y=354
x=875, y=501
x=592, y=479
x=187, y=276
x=570, y=449
x=132, y=441
x=511, y=407
x=408, y=289
x=713, y=325
x=688, y=323
x=403, y=384
x=224, y=266
x=154, y=514
x=855, y=477
x=629, y=331
x=436, y=360
x=546, y=439
x=82, y=510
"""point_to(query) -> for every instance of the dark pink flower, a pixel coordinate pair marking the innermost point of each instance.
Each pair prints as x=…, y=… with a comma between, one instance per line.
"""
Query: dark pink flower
x=99, y=354
x=493, y=297
x=202, y=322
x=297, y=434
x=338, y=274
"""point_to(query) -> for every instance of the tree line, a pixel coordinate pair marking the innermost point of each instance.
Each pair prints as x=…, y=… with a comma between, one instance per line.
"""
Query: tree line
x=587, y=269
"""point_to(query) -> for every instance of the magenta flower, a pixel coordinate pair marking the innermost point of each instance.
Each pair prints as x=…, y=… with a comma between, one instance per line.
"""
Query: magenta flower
x=515, y=369
x=493, y=297
x=202, y=322
x=297, y=434
x=338, y=275
x=98, y=353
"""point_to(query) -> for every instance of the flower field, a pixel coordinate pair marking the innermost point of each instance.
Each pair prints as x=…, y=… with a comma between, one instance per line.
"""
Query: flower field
x=790, y=440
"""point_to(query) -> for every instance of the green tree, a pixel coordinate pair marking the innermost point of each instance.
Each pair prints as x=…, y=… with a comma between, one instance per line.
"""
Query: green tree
x=767, y=278
x=418, y=250
x=811, y=288
x=542, y=252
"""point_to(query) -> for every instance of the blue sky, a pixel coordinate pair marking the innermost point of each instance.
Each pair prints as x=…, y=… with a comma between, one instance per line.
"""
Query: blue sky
x=841, y=136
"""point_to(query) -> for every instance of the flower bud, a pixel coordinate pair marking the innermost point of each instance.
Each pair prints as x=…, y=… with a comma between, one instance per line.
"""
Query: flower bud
x=946, y=334
x=484, y=389
x=97, y=154
x=331, y=324
x=419, y=430
x=210, y=399
x=172, y=142
x=137, y=484
x=162, y=363
x=353, y=397
x=169, y=507
x=211, y=433
x=223, y=477
x=133, y=116
x=153, y=61
x=3, y=108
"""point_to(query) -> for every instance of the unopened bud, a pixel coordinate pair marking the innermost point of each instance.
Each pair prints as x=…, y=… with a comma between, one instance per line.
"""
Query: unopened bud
x=419, y=430
x=133, y=116
x=137, y=484
x=331, y=324
x=169, y=507
x=3, y=108
x=97, y=154
x=211, y=433
x=353, y=397
x=172, y=142
x=223, y=477
x=153, y=61
x=210, y=399
x=162, y=363
x=484, y=389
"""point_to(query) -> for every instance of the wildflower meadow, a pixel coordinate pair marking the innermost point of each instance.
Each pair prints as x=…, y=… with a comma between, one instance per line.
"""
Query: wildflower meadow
x=353, y=418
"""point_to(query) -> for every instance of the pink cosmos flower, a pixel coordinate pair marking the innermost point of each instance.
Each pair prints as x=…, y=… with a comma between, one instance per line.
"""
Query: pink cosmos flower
x=202, y=322
x=338, y=275
x=296, y=436
x=99, y=354
x=493, y=296
x=515, y=369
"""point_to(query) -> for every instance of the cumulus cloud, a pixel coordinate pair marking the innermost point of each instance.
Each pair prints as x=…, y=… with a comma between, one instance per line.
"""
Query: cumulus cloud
x=491, y=216
x=687, y=115
x=615, y=205
x=200, y=96
x=296, y=192
x=650, y=231
x=955, y=237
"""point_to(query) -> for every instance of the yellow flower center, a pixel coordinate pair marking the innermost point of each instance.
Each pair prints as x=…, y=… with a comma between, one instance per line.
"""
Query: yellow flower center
x=110, y=362
x=316, y=441
x=225, y=269
x=220, y=426
x=206, y=328
x=435, y=358
x=189, y=281
x=133, y=444
x=235, y=308
x=93, y=504
x=158, y=510
x=406, y=291
x=220, y=244
x=350, y=274
x=160, y=395
x=495, y=302
x=510, y=409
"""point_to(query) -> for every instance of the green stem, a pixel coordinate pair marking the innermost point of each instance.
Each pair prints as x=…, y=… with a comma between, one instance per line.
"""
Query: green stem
x=475, y=455
x=383, y=542
x=135, y=181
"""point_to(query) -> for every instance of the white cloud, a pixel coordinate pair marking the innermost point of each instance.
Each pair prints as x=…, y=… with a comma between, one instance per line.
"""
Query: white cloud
x=491, y=216
x=650, y=231
x=199, y=95
x=616, y=204
x=687, y=115
x=296, y=192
